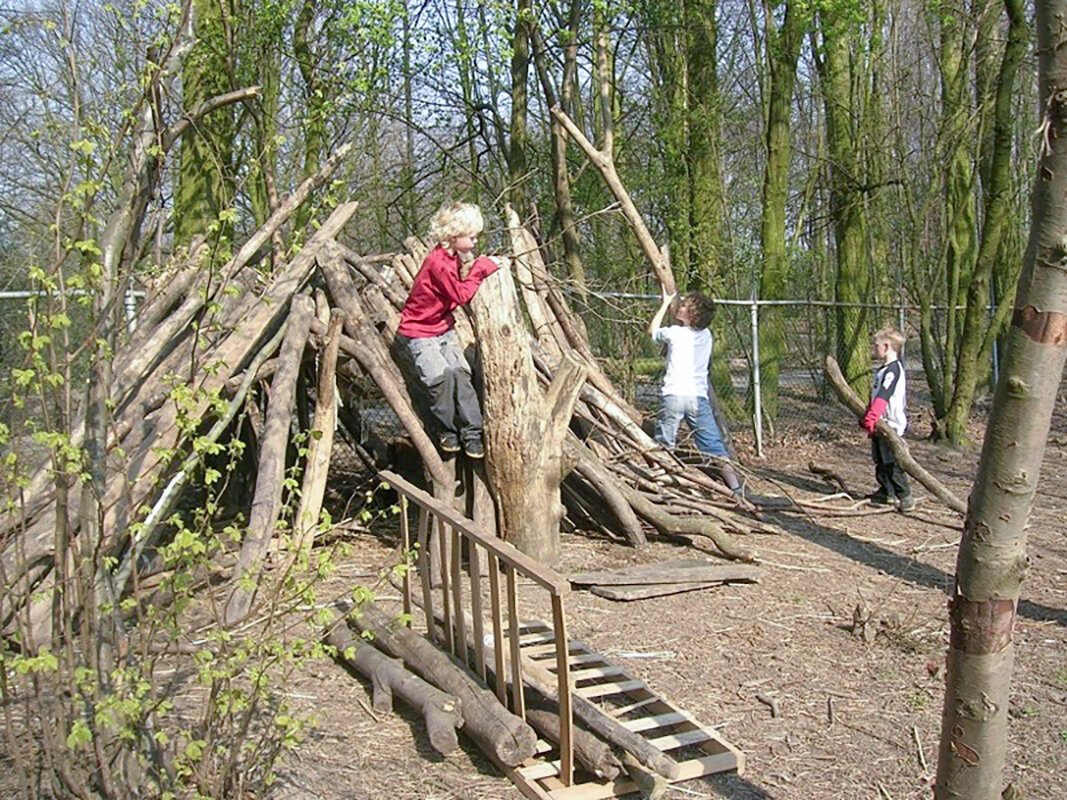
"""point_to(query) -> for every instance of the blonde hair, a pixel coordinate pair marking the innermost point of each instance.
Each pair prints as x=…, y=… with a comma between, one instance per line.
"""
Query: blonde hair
x=455, y=219
x=891, y=336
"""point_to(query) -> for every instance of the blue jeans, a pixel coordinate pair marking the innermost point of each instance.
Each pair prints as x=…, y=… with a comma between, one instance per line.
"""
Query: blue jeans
x=447, y=377
x=697, y=412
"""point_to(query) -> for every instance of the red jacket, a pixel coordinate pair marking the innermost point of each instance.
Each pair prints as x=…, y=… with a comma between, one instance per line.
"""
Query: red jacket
x=438, y=291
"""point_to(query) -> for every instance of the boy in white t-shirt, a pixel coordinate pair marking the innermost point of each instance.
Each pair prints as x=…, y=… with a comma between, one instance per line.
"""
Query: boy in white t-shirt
x=888, y=402
x=685, y=384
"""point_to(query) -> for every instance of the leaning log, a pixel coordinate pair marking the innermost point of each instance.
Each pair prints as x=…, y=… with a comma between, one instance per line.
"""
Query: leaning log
x=853, y=403
x=388, y=677
x=267, y=501
x=499, y=731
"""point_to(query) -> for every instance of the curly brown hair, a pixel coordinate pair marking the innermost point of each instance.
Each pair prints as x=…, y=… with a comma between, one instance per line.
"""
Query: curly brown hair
x=699, y=308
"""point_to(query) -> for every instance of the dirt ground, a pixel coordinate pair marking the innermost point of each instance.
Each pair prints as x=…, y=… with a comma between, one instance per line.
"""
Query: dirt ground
x=788, y=637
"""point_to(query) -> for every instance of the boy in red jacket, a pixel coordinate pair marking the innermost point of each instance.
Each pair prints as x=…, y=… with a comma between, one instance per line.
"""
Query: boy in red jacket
x=426, y=326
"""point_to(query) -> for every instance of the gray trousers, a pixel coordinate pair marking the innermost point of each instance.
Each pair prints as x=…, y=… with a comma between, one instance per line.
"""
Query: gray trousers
x=447, y=377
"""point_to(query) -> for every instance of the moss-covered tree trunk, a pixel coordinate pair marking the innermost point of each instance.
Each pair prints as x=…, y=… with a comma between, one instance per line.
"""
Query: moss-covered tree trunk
x=992, y=559
x=852, y=280
x=783, y=49
x=978, y=329
x=520, y=68
x=314, y=95
x=205, y=172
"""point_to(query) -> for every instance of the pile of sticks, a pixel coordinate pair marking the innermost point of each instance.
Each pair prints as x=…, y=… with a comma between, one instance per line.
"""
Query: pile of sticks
x=216, y=333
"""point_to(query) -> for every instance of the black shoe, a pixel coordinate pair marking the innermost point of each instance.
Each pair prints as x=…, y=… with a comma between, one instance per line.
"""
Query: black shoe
x=474, y=449
x=879, y=500
x=448, y=442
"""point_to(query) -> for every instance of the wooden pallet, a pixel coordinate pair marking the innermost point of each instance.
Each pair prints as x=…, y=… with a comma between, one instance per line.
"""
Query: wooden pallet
x=697, y=749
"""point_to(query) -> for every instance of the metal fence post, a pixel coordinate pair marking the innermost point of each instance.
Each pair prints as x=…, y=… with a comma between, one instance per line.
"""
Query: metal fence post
x=757, y=397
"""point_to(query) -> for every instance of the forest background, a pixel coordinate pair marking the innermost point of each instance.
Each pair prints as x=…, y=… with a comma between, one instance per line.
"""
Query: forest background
x=862, y=155
x=838, y=151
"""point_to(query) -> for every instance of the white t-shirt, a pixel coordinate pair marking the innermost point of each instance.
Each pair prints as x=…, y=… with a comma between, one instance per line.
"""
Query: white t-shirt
x=688, y=356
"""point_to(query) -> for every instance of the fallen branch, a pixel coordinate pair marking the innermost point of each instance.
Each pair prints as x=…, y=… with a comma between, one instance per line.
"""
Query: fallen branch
x=388, y=676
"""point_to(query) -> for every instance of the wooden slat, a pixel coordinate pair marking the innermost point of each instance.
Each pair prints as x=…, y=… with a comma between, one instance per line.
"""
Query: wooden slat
x=477, y=611
x=658, y=721
x=623, y=710
x=424, y=574
x=548, y=651
x=517, y=700
x=498, y=629
x=605, y=689
x=563, y=690
x=588, y=673
x=460, y=638
x=676, y=740
x=446, y=600
x=405, y=544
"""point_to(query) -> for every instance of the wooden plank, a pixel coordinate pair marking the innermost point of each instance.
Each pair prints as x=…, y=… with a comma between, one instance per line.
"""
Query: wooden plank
x=446, y=599
x=588, y=673
x=709, y=765
x=563, y=690
x=405, y=544
x=424, y=574
x=477, y=612
x=498, y=629
x=538, y=637
x=667, y=574
x=676, y=740
x=623, y=710
x=658, y=721
x=606, y=689
x=538, y=651
x=517, y=699
x=460, y=638
x=627, y=593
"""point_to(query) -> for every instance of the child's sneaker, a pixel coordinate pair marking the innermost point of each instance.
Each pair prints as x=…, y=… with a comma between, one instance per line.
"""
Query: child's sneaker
x=879, y=500
x=474, y=448
x=449, y=442
x=907, y=503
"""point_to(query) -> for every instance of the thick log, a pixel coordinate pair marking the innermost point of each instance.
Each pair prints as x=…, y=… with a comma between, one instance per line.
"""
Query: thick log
x=900, y=449
x=589, y=751
x=267, y=502
x=441, y=711
x=668, y=523
x=524, y=427
x=503, y=734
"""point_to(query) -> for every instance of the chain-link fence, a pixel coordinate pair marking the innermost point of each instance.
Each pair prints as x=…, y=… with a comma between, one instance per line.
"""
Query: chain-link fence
x=767, y=368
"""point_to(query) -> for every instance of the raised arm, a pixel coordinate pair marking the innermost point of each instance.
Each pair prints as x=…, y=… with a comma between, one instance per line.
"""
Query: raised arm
x=657, y=320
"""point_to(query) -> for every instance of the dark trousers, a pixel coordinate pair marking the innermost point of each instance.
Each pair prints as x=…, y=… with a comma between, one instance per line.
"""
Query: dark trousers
x=447, y=377
x=892, y=480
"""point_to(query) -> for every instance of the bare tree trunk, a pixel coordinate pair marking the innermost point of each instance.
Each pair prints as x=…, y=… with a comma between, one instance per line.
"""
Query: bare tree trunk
x=992, y=559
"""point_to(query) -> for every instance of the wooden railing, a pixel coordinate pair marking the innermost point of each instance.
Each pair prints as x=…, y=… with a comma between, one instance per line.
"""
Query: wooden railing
x=500, y=558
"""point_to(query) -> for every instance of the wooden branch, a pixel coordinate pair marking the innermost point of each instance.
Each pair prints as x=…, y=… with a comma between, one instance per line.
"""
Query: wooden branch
x=669, y=573
x=267, y=502
x=441, y=711
x=321, y=446
x=503, y=734
x=606, y=166
x=900, y=449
